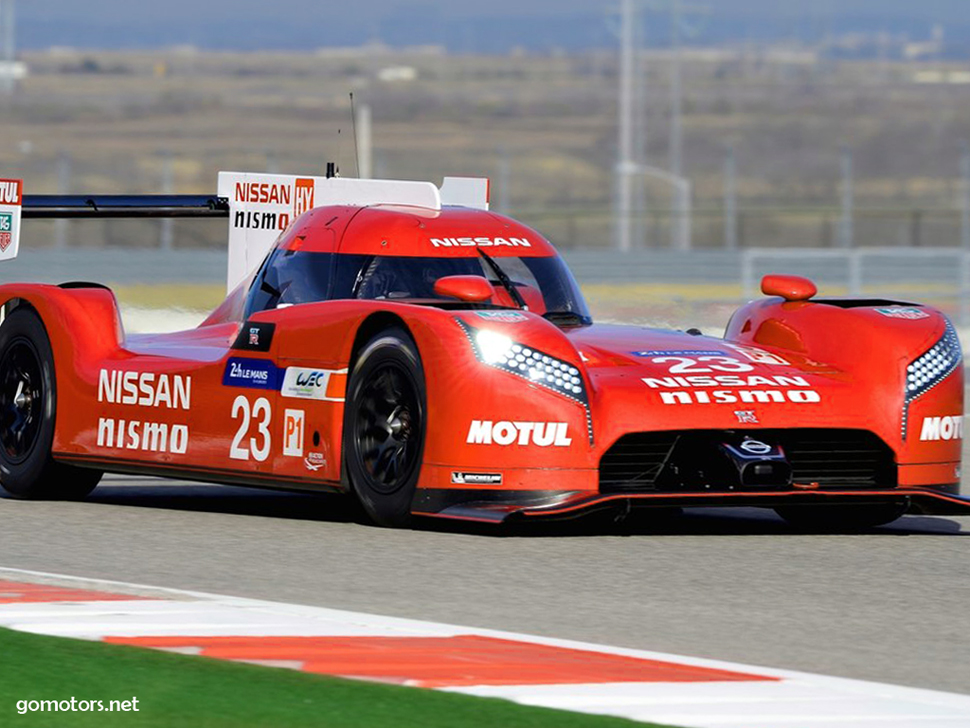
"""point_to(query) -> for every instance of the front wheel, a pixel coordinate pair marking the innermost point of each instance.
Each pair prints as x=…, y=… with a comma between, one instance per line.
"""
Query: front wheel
x=842, y=517
x=384, y=427
x=28, y=403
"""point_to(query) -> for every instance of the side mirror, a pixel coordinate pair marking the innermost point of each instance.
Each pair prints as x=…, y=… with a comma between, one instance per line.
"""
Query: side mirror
x=791, y=288
x=473, y=289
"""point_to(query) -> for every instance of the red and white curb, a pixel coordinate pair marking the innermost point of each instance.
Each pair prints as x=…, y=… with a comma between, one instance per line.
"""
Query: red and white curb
x=589, y=678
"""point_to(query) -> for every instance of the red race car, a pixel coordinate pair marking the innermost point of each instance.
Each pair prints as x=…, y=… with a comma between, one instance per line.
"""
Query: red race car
x=405, y=345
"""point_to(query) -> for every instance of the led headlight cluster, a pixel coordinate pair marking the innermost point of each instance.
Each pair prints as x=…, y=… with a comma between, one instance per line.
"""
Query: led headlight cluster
x=935, y=365
x=499, y=351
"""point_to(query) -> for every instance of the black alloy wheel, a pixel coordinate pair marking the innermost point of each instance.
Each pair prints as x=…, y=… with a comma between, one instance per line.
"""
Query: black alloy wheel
x=28, y=404
x=21, y=400
x=384, y=427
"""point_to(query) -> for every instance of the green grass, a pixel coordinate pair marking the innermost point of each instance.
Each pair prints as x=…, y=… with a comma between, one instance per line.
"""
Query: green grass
x=176, y=690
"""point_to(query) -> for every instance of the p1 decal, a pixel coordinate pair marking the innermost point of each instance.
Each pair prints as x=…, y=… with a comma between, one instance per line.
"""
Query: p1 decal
x=293, y=427
x=910, y=314
x=255, y=336
x=941, y=428
x=541, y=434
x=326, y=385
x=466, y=478
x=252, y=373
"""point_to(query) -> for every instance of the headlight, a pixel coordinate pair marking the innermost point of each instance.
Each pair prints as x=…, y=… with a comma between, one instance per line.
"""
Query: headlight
x=499, y=351
x=935, y=365
x=931, y=368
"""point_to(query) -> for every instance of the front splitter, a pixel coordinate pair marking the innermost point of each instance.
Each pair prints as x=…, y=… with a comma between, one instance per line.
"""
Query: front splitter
x=921, y=501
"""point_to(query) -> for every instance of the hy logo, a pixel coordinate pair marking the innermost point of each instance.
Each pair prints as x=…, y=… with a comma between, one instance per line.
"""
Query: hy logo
x=303, y=197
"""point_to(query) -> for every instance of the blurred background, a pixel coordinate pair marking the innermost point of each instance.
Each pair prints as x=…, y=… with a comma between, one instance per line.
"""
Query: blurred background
x=674, y=151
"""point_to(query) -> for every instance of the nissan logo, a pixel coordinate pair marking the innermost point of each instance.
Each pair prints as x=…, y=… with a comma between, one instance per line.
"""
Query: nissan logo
x=755, y=447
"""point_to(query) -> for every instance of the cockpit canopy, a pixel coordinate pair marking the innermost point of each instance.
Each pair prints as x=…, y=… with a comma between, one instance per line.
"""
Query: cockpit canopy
x=289, y=277
x=398, y=254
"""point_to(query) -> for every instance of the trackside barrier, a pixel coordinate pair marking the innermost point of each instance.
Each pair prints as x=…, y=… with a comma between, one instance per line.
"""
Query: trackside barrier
x=912, y=272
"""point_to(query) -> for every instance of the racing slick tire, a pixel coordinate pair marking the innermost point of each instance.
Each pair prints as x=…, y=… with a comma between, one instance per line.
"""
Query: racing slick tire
x=28, y=404
x=841, y=518
x=384, y=427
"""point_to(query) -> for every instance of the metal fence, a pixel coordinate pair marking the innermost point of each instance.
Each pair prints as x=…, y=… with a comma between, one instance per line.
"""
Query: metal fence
x=937, y=275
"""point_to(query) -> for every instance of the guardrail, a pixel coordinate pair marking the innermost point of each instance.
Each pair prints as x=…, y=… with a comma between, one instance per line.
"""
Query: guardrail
x=943, y=271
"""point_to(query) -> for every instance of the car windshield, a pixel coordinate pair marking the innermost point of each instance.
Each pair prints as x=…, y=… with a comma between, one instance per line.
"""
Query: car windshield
x=545, y=285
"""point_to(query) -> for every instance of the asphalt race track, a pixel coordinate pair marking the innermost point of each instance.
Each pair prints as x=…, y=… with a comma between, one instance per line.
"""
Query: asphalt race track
x=733, y=584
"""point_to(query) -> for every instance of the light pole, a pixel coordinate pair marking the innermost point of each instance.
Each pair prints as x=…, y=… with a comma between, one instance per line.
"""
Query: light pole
x=680, y=209
x=8, y=50
x=625, y=167
x=730, y=200
x=965, y=195
x=846, y=232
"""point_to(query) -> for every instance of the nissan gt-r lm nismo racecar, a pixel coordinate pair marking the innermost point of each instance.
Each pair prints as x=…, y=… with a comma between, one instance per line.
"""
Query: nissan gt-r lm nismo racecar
x=401, y=343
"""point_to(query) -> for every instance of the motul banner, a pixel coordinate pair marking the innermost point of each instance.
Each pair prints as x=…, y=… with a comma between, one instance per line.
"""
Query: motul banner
x=11, y=197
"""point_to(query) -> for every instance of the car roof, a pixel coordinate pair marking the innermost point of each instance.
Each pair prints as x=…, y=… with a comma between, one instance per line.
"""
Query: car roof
x=411, y=232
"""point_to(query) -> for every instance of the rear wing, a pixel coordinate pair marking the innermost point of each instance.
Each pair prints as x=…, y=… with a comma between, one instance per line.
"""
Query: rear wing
x=259, y=207
x=262, y=206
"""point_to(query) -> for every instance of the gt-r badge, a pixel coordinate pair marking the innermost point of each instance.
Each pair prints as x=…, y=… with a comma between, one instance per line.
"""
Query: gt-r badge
x=746, y=417
x=255, y=336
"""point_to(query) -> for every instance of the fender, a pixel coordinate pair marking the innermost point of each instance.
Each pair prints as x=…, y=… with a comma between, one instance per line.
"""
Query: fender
x=859, y=337
x=84, y=327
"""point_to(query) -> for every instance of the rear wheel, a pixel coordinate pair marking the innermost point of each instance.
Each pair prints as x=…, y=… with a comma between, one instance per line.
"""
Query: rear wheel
x=384, y=427
x=841, y=518
x=28, y=403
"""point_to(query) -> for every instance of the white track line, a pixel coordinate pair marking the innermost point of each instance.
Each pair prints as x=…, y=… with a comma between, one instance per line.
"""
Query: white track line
x=793, y=700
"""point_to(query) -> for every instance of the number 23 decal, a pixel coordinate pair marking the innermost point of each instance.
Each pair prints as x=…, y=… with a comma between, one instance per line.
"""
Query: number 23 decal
x=258, y=444
x=684, y=365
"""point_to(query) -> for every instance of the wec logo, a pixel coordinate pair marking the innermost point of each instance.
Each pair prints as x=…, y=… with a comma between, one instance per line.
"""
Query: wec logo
x=326, y=385
x=310, y=378
x=542, y=434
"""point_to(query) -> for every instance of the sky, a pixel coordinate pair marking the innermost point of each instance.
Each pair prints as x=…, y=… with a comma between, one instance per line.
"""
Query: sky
x=495, y=26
